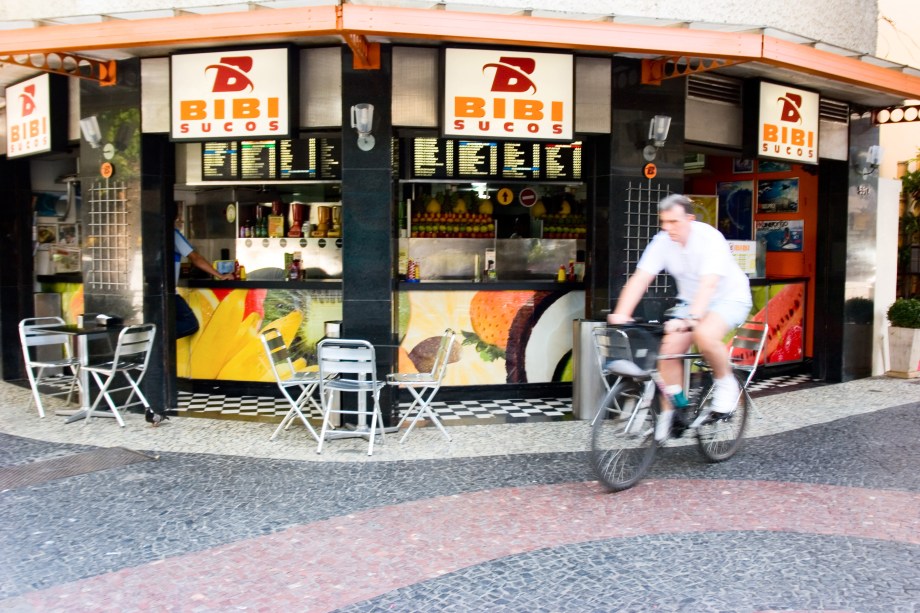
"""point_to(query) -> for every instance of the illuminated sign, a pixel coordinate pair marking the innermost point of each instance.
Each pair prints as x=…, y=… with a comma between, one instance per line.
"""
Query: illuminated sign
x=896, y=114
x=28, y=117
x=234, y=94
x=788, y=123
x=508, y=94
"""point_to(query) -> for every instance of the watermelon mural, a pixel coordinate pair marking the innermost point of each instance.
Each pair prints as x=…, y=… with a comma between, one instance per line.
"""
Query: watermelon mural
x=782, y=307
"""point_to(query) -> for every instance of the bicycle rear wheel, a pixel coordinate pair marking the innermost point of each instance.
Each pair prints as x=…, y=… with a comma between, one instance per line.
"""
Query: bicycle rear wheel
x=720, y=434
x=623, y=437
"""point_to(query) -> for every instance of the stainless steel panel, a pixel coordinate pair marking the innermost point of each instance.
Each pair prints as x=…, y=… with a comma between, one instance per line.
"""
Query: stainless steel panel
x=155, y=95
x=711, y=122
x=587, y=388
x=592, y=94
x=321, y=87
x=833, y=140
x=415, y=87
x=516, y=258
x=73, y=109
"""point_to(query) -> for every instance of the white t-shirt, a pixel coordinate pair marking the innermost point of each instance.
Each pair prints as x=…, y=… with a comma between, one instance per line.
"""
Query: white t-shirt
x=706, y=252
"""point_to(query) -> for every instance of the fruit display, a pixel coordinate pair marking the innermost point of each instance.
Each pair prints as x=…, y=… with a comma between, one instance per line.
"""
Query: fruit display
x=564, y=226
x=452, y=225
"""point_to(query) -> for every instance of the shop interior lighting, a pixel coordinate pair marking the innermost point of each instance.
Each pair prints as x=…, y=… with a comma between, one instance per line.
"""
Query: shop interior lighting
x=362, y=120
x=657, y=135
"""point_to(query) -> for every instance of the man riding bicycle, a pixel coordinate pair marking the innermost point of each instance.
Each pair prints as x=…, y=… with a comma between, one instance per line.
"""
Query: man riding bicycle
x=713, y=296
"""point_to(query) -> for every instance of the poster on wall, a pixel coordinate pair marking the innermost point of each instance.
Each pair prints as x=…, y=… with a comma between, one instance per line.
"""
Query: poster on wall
x=706, y=209
x=736, y=208
x=742, y=166
x=778, y=196
x=781, y=235
x=773, y=166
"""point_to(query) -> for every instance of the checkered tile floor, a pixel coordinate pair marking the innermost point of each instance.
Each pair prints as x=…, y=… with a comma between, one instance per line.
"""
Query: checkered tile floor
x=256, y=408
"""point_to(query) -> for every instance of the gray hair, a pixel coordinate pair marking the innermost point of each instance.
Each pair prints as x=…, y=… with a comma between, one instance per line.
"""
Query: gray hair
x=676, y=200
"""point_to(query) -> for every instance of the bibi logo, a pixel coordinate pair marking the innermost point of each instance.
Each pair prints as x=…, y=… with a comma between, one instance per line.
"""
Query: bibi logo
x=792, y=108
x=230, y=74
x=511, y=74
x=28, y=100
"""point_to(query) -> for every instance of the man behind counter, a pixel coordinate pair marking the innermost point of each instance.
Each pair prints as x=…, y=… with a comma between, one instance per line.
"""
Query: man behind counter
x=186, y=322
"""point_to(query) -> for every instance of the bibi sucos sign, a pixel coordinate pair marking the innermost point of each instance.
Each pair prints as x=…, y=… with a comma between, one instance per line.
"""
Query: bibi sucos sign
x=788, y=123
x=508, y=94
x=240, y=93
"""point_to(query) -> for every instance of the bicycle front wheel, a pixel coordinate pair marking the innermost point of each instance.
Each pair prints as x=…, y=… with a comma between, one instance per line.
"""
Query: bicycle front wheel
x=720, y=434
x=623, y=437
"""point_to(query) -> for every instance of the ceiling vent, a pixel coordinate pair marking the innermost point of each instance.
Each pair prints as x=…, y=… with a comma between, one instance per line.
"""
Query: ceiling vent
x=834, y=111
x=714, y=89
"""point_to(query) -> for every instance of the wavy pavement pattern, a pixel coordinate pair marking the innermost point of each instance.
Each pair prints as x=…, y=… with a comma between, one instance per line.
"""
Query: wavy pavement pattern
x=329, y=564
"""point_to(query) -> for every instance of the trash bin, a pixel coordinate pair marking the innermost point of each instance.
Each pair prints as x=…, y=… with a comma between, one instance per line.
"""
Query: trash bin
x=587, y=388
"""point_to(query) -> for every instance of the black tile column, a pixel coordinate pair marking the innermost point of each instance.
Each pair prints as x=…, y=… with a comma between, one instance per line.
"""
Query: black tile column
x=370, y=246
x=617, y=162
x=16, y=254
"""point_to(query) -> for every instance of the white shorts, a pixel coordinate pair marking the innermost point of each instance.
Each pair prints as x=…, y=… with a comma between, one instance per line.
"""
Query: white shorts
x=732, y=312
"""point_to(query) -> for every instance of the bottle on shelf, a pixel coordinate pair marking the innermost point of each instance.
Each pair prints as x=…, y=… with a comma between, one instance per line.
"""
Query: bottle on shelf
x=294, y=270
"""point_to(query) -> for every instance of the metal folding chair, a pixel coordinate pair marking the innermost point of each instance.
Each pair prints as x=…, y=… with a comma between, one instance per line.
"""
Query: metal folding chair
x=423, y=386
x=746, y=348
x=47, y=358
x=288, y=379
x=356, y=360
x=132, y=354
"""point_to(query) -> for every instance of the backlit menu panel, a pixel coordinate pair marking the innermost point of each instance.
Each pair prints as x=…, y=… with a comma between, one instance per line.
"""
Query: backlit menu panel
x=521, y=160
x=258, y=160
x=432, y=158
x=295, y=159
x=562, y=161
x=477, y=159
x=329, y=156
x=219, y=161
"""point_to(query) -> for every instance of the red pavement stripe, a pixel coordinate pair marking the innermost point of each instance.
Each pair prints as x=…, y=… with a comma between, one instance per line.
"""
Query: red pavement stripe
x=328, y=564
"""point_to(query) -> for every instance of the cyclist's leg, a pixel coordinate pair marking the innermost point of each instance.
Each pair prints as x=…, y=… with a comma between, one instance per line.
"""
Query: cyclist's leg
x=672, y=373
x=708, y=336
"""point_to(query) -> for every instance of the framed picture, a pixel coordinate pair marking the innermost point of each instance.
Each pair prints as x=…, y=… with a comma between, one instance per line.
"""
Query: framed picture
x=736, y=209
x=706, y=209
x=785, y=235
x=67, y=234
x=742, y=166
x=778, y=196
x=774, y=166
x=46, y=234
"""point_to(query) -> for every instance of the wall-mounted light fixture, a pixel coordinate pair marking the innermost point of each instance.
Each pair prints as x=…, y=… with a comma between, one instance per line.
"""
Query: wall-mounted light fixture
x=872, y=157
x=657, y=135
x=89, y=126
x=362, y=120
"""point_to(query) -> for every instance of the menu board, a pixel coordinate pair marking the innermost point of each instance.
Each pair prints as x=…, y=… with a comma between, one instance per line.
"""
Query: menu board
x=432, y=158
x=562, y=161
x=219, y=161
x=300, y=159
x=329, y=156
x=477, y=159
x=444, y=158
x=521, y=160
x=259, y=160
x=296, y=162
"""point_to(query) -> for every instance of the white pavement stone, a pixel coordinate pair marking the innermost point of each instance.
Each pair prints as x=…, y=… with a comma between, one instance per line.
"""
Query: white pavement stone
x=776, y=413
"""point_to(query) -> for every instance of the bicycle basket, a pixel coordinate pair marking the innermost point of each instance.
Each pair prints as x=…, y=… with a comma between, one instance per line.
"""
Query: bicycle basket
x=633, y=343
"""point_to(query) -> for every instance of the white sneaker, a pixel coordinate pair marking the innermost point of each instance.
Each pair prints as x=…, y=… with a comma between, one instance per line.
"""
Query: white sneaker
x=725, y=396
x=663, y=425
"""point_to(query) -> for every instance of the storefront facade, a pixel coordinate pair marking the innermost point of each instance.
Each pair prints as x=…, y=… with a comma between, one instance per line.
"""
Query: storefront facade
x=396, y=237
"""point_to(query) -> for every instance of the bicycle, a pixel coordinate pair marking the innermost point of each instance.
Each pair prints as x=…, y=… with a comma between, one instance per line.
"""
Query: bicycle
x=623, y=445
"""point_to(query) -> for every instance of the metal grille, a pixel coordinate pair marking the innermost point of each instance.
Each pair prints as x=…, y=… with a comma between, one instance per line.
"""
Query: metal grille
x=34, y=473
x=642, y=224
x=108, y=235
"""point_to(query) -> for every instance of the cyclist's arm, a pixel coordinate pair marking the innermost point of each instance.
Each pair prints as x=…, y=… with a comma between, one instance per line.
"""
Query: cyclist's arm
x=630, y=296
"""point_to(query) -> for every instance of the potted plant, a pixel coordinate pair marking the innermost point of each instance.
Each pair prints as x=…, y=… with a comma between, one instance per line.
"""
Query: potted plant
x=904, y=338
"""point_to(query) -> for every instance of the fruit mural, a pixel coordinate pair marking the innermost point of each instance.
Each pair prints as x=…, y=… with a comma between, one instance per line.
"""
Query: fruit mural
x=227, y=344
x=513, y=336
x=782, y=306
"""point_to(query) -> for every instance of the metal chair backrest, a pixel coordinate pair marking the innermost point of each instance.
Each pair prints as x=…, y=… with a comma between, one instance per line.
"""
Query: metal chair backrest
x=278, y=354
x=346, y=356
x=631, y=343
x=134, y=345
x=746, y=347
x=29, y=336
x=442, y=357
